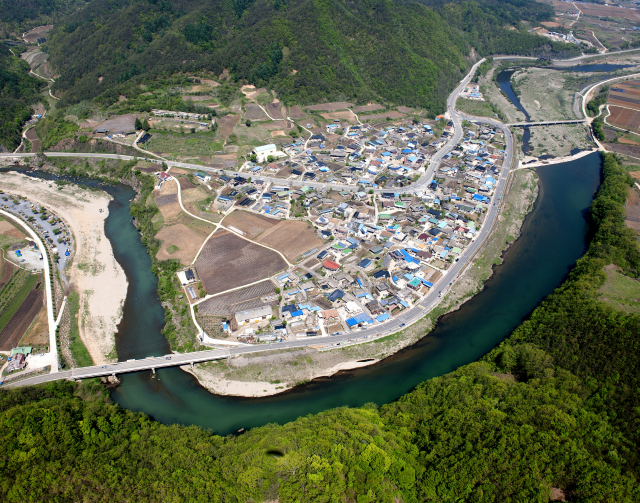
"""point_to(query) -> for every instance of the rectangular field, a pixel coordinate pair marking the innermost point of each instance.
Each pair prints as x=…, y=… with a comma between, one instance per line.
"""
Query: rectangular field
x=252, y=224
x=331, y=107
x=180, y=242
x=623, y=118
x=240, y=300
x=229, y=261
x=291, y=238
x=21, y=320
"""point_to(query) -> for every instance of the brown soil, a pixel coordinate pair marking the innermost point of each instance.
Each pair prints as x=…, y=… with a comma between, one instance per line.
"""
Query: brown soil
x=347, y=116
x=627, y=141
x=186, y=240
x=7, y=269
x=9, y=230
x=38, y=333
x=120, y=123
x=274, y=110
x=291, y=238
x=167, y=200
x=241, y=300
x=252, y=224
x=393, y=114
x=227, y=123
x=296, y=112
x=227, y=261
x=33, y=35
x=33, y=138
x=185, y=184
x=254, y=112
x=368, y=108
x=330, y=107
x=21, y=320
x=406, y=110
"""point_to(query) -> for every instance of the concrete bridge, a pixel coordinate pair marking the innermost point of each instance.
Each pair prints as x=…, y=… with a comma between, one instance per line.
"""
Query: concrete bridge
x=546, y=123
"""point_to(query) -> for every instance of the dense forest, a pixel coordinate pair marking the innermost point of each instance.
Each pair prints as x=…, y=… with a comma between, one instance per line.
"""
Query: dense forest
x=550, y=414
x=22, y=15
x=405, y=52
x=18, y=91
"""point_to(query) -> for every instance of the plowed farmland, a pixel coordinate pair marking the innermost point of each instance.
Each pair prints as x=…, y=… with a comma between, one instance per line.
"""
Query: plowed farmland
x=250, y=223
x=21, y=320
x=291, y=238
x=228, y=261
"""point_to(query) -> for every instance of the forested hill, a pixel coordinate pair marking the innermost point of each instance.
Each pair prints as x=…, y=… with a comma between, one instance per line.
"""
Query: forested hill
x=405, y=52
x=550, y=415
x=18, y=91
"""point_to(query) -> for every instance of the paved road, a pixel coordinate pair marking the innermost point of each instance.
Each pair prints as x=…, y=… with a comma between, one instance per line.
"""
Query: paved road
x=408, y=317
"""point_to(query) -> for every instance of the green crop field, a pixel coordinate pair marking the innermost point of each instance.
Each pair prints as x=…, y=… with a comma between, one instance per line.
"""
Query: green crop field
x=621, y=292
x=195, y=144
x=12, y=287
x=18, y=299
x=78, y=349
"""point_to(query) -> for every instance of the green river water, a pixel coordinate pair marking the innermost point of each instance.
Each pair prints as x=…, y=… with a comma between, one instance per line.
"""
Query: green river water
x=552, y=239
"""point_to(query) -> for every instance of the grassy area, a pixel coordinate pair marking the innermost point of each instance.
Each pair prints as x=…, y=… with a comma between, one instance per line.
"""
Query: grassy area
x=621, y=292
x=77, y=347
x=18, y=299
x=475, y=107
x=172, y=249
x=194, y=144
x=13, y=286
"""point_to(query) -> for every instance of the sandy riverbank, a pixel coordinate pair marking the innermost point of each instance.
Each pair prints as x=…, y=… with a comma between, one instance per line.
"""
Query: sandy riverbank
x=556, y=160
x=94, y=272
x=221, y=386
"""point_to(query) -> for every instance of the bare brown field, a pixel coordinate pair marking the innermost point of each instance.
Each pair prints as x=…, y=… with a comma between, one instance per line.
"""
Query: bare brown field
x=182, y=237
x=7, y=269
x=331, y=107
x=252, y=224
x=120, y=123
x=38, y=332
x=167, y=200
x=627, y=141
x=33, y=138
x=33, y=35
x=228, y=261
x=347, y=116
x=243, y=299
x=21, y=320
x=392, y=114
x=295, y=112
x=609, y=11
x=632, y=150
x=9, y=230
x=278, y=132
x=623, y=118
x=274, y=110
x=254, y=112
x=291, y=238
x=277, y=125
x=550, y=24
x=406, y=110
x=185, y=184
x=368, y=108
x=224, y=161
x=227, y=123
x=201, y=228
x=194, y=194
x=632, y=207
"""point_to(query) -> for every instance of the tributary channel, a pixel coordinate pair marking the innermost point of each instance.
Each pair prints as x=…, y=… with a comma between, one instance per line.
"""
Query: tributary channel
x=552, y=239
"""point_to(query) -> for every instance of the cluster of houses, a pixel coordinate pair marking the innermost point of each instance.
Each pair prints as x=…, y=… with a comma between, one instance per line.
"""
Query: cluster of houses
x=383, y=251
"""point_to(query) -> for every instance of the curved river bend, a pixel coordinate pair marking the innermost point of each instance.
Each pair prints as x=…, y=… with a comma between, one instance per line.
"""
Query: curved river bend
x=552, y=239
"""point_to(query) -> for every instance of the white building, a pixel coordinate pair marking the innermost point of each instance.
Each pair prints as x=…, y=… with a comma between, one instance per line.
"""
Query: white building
x=264, y=151
x=251, y=316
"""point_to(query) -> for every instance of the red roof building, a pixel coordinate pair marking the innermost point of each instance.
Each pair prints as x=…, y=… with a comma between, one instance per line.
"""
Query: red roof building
x=332, y=266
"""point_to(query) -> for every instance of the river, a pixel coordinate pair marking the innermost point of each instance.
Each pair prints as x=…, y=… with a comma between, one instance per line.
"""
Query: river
x=552, y=239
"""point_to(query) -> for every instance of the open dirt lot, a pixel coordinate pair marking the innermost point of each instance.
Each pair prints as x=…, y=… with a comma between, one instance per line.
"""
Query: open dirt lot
x=367, y=108
x=230, y=303
x=274, y=110
x=228, y=261
x=391, y=114
x=33, y=35
x=633, y=211
x=227, y=123
x=346, y=116
x=21, y=320
x=330, y=107
x=178, y=241
x=167, y=200
x=9, y=230
x=291, y=238
x=38, y=332
x=120, y=123
x=295, y=112
x=252, y=224
x=254, y=112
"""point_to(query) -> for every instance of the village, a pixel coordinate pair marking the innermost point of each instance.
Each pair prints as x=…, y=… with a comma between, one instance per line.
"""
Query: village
x=293, y=257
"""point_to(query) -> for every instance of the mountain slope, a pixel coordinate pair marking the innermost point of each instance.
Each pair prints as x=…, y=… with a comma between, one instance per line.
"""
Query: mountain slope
x=307, y=50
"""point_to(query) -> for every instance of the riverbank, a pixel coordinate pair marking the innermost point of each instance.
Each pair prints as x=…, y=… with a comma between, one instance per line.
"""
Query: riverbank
x=534, y=162
x=94, y=273
x=277, y=371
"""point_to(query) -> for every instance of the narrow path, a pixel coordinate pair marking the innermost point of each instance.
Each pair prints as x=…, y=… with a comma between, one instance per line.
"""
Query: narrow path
x=579, y=12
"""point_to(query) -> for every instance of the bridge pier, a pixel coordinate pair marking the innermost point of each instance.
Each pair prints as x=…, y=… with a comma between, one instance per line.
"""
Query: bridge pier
x=153, y=369
x=191, y=364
